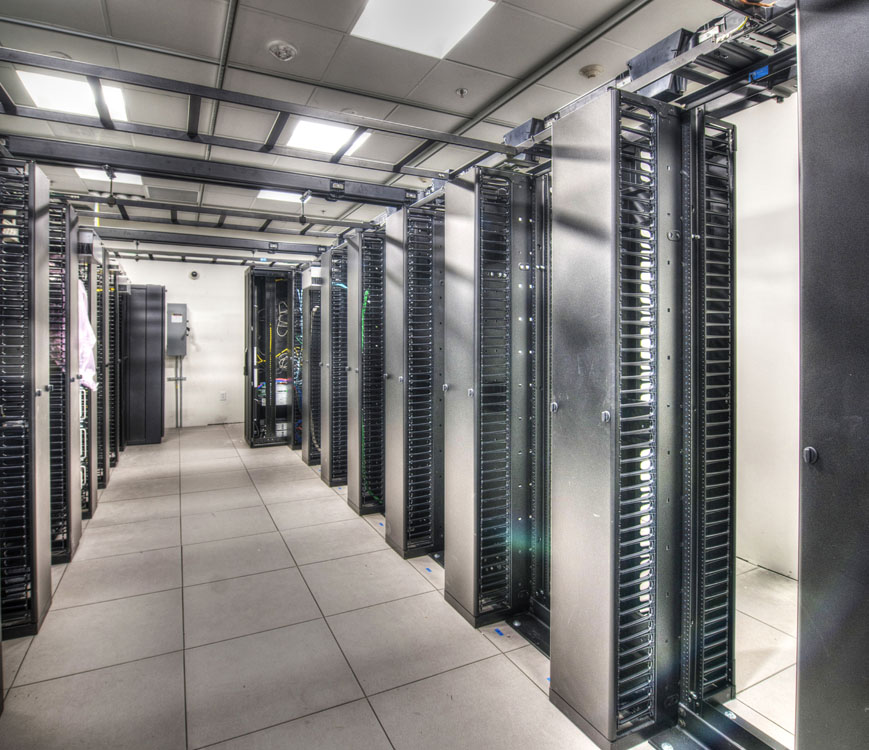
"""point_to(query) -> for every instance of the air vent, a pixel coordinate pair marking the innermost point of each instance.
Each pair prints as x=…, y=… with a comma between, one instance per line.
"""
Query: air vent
x=172, y=195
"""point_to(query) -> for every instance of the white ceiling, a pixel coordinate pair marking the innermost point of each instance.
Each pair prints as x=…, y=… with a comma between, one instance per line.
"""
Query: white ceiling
x=181, y=39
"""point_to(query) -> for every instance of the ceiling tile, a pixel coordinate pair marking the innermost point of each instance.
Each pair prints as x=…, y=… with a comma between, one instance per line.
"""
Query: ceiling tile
x=334, y=14
x=167, y=66
x=51, y=42
x=537, y=101
x=612, y=56
x=91, y=135
x=375, y=67
x=227, y=197
x=511, y=41
x=21, y=126
x=337, y=101
x=245, y=123
x=487, y=131
x=661, y=17
x=254, y=29
x=580, y=15
x=439, y=87
x=167, y=146
x=193, y=26
x=450, y=157
x=240, y=156
x=86, y=15
x=271, y=87
x=153, y=108
x=386, y=147
x=425, y=118
x=366, y=213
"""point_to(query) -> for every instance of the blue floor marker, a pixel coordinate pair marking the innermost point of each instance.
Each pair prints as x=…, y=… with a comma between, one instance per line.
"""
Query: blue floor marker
x=499, y=631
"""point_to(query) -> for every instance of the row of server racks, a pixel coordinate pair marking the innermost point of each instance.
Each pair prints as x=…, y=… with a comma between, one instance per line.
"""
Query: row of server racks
x=50, y=437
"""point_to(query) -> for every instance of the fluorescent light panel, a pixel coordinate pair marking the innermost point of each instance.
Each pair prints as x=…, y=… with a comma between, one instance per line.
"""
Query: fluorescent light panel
x=278, y=195
x=429, y=27
x=327, y=139
x=98, y=175
x=71, y=95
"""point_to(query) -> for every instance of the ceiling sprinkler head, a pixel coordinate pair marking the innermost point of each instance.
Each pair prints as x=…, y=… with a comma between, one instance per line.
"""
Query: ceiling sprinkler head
x=461, y=93
x=591, y=71
x=281, y=50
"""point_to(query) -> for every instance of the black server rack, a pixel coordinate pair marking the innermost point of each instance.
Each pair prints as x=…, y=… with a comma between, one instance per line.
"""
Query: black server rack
x=333, y=376
x=489, y=394
x=122, y=362
x=64, y=397
x=365, y=372
x=113, y=362
x=146, y=382
x=311, y=366
x=101, y=271
x=296, y=357
x=87, y=397
x=25, y=502
x=269, y=405
x=616, y=417
x=414, y=317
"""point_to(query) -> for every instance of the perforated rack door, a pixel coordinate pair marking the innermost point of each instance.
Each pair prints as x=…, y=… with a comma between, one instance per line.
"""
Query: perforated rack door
x=296, y=356
x=709, y=427
x=88, y=401
x=112, y=366
x=102, y=396
x=333, y=394
x=311, y=374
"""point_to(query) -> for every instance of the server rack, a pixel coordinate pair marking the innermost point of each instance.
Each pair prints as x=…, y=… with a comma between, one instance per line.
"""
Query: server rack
x=113, y=363
x=25, y=503
x=122, y=363
x=296, y=357
x=414, y=316
x=365, y=372
x=146, y=382
x=269, y=405
x=101, y=270
x=333, y=376
x=311, y=365
x=87, y=398
x=616, y=384
x=64, y=396
x=489, y=393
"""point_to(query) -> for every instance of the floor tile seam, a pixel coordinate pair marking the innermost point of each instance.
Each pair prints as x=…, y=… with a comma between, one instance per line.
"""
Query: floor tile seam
x=303, y=499
x=764, y=622
x=791, y=579
x=144, y=497
x=310, y=525
x=253, y=633
x=20, y=664
x=214, y=489
x=243, y=575
x=524, y=673
x=760, y=713
x=223, y=510
x=245, y=536
x=377, y=604
x=768, y=677
x=114, y=599
x=340, y=557
x=121, y=554
x=124, y=523
x=438, y=674
x=97, y=669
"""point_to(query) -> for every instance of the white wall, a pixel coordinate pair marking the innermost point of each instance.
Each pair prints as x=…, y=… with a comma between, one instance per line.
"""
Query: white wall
x=767, y=309
x=215, y=347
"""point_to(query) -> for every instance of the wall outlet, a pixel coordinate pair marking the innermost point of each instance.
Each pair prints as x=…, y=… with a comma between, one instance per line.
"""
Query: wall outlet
x=223, y=395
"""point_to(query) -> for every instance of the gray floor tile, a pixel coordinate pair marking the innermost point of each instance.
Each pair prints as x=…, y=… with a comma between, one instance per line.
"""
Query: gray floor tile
x=106, y=578
x=57, y=571
x=430, y=570
x=761, y=651
x=126, y=474
x=129, y=537
x=768, y=597
x=300, y=513
x=254, y=459
x=226, y=524
x=104, y=634
x=195, y=455
x=164, y=458
x=332, y=540
x=743, y=566
x=241, y=606
x=489, y=704
x=294, y=491
x=396, y=643
x=353, y=582
x=221, y=480
x=13, y=655
x=153, y=487
x=211, y=466
x=133, y=511
x=377, y=521
x=280, y=474
x=770, y=728
x=138, y=706
x=503, y=636
x=532, y=663
x=349, y=727
x=230, y=558
x=211, y=501
x=775, y=698
x=257, y=681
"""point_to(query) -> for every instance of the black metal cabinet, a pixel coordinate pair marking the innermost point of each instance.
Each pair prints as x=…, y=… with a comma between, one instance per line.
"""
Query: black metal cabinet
x=146, y=383
x=25, y=502
x=101, y=270
x=414, y=320
x=365, y=372
x=311, y=365
x=269, y=403
x=88, y=398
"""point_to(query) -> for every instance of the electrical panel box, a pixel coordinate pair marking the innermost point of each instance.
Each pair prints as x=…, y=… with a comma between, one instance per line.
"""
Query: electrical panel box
x=176, y=330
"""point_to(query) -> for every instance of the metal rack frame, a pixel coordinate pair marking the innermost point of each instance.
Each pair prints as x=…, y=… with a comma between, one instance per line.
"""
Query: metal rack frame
x=312, y=365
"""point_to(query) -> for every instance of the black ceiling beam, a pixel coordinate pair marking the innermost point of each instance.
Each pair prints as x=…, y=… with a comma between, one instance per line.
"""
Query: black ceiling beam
x=173, y=215
x=100, y=101
x=123, y=211
x=9, y=106
x=277, y=128
x=194, y=107
x=200, y=170
x=188, y=257
x=19, y=57
x=339, y=154
x=110, y=234
x=264, y=225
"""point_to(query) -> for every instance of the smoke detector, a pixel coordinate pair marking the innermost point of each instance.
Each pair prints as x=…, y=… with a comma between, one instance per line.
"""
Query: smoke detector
x=461, y=93
x=281, y=50
x=591, y=71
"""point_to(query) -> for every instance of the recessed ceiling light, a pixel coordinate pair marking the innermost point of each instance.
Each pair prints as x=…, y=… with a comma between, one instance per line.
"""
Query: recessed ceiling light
x=98, y=175
x=279, y=195
x=429, y=28
x=327, y=139
x=71, y=95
